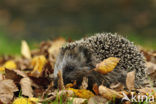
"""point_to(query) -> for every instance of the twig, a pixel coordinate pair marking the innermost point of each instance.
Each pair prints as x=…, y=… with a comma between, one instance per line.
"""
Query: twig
x=49, y=87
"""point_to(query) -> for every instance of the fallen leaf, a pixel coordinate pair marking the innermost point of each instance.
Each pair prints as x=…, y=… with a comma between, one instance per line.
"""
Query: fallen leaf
x=38, y=63
x=25, y=50
x=55, y=46
x=130, y=80
x=109, y=93
x=151, y=68
x=97, y=100
x=6, y=98
x=2, y=70
x=82, y=93
x=77, y=100
x=26, y=86
x=70, y=85
x=107, y=65
x=7, y=90
x=1, y=77
x=10, y=65
x=22, y=100
x=84, y=84
x=96, y=89
x=117, y=86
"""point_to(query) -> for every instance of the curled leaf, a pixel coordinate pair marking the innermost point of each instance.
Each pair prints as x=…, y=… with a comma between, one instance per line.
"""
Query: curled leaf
x=109, y=93
x=107, y=65
x=70, y=85
x=10, y=65
x=38, y=63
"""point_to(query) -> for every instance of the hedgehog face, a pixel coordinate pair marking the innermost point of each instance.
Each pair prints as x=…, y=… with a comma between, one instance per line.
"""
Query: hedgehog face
x=74, y=64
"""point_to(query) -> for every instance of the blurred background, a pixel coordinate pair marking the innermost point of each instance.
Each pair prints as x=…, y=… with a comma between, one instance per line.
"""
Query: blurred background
x=38, y=20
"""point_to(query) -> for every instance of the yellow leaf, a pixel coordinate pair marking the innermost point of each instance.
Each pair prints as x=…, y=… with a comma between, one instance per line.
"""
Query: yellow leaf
x=70, y=85
x=22, y=100
x=82, y=93
x=25, y=50
x=10, y=65
x=2, y=70
x=107, y=65
x=38, y=63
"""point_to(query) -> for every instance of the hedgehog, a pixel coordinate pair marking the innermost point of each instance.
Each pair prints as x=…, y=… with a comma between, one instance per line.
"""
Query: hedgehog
x=77, y=59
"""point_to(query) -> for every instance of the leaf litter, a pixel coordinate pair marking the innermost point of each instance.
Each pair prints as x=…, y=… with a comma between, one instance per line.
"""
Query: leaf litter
x=29, y=79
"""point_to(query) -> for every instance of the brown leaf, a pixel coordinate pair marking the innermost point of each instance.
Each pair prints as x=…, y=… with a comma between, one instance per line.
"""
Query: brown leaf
x=84, y=84
x=1, y=77
x=25, y=50
x=109, y=93
x=77, y=100
x=26, y=86
x=7, y=89
x=55, y=46
x=107, y=65
x=97, y=100
x=151, y=68
x=117, y=86
x=70, y=85
x=95, y=89
x=15, y=75
x=130, y=80
x=6, y=97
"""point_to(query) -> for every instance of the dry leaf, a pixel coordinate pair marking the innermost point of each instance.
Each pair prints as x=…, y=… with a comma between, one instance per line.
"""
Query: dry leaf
x=2, y=70
x=151, y=68
x=26, y=86
x=97, y=100
x=7, y=90
x=95, y=89
x=10, y=65
x=77, y=100
x=38, y=63
x=55, y=46
x=22, y=100
x=60, y=81
x=107, y=65
x=84, y=84
x=117, y=86
x=109, y=93
x=6, y=98
x=1, y=77
x=130, y=80
x=70, y=85
x=82, y=93
x=25, y=50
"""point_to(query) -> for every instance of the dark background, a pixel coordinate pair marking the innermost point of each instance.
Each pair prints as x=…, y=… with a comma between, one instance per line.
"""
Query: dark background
x=38, y=20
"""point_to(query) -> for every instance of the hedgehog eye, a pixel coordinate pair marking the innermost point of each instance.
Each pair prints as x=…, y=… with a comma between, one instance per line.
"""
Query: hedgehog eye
x=69, y=68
